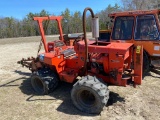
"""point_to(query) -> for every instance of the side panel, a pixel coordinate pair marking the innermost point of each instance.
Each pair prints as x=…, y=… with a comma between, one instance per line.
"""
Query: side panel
x=138, y=64
x=57, y=61
x=151, y=47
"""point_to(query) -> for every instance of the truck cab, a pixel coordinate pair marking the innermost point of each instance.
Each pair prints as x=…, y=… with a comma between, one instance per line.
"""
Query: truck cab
x=140, y=28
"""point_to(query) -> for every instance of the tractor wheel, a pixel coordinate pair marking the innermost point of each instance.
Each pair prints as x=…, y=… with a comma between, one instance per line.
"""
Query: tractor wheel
x=146, y=63
x=90, y=95
x=44, y=81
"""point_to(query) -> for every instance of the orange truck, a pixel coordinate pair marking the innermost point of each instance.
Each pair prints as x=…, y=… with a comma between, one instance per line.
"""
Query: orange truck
x=141, y=28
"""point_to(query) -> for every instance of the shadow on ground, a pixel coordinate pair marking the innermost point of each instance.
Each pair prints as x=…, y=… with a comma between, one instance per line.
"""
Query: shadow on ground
x=11, y=83
x=22, y=73
x=63, y=93
x=156, y=71
x=114, y=98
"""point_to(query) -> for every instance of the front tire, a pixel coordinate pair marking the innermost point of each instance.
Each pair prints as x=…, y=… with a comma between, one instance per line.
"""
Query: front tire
x=90, y=95
x=44, y=81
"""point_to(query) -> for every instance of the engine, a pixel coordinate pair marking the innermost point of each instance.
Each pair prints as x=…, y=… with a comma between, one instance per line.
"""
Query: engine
x=99, y=63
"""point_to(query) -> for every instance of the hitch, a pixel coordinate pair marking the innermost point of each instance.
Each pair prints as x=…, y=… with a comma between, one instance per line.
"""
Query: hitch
x=32, y=63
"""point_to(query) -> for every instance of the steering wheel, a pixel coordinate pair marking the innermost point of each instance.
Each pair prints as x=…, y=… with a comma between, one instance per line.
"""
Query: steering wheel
x=79, y=38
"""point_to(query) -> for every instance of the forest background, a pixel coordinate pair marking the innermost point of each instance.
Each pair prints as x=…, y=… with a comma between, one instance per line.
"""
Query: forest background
x=71, y=23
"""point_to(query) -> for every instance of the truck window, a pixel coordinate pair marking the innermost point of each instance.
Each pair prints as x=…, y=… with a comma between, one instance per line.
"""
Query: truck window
x=123, y=28
x=146, y=28
x=104, y=36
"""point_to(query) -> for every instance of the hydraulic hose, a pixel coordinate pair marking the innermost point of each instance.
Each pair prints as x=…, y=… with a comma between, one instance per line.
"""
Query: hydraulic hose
x=85, y=37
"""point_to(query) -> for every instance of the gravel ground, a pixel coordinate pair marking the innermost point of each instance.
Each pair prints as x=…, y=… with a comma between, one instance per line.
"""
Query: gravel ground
x=19, y=102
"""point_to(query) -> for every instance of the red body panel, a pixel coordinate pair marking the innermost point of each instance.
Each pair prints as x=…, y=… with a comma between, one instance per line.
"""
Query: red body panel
x=108, y=61
x=114, y=57
x=57, y=61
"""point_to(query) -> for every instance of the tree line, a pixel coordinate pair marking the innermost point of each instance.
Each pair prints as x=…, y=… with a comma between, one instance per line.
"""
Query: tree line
x=71, y=23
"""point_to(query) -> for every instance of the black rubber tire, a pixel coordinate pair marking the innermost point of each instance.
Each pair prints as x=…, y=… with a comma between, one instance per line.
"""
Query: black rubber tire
x=90, y=95
x=44, y=81
x=146, y=63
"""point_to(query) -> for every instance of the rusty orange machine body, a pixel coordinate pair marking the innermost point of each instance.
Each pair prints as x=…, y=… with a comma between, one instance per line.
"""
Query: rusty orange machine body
x=108, y=61
x=91, y=65
x=141, y=27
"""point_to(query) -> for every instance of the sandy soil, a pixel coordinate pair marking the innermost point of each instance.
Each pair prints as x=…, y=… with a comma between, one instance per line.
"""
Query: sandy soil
x=19, y=102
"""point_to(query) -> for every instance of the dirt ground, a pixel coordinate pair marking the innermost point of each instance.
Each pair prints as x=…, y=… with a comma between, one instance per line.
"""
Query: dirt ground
x=18, y=100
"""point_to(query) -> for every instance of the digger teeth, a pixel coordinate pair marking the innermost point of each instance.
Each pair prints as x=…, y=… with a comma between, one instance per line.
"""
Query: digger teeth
x=26, y=62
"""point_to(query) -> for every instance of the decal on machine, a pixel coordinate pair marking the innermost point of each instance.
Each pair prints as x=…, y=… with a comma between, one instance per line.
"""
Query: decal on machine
x=138, y=49
x=41, y=57
x=157, y=48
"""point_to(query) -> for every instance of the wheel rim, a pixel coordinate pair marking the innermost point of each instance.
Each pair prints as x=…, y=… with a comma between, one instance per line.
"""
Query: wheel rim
x=86, y=98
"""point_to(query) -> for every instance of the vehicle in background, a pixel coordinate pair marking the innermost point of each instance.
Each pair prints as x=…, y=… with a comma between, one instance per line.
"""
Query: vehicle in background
x=141, y=28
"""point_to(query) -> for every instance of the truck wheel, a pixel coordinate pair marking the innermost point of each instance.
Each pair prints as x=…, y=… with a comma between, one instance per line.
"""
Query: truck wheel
x=90, y=95
x=44, y=81
x=146, y=63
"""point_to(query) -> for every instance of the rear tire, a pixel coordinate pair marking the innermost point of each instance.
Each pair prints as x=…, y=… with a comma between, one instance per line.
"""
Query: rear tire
x=146, y=63
x=90, y=95
x=44, y=81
